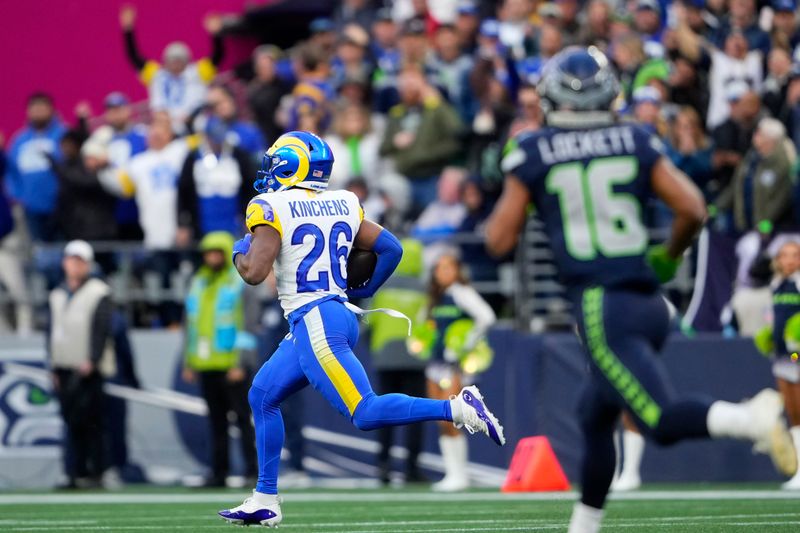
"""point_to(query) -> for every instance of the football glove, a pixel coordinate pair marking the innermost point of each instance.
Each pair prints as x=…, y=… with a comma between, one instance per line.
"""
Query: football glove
x=242, y=246
x=662, y=264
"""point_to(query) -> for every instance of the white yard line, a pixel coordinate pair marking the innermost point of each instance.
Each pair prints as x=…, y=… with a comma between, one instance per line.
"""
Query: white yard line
x=365, y=496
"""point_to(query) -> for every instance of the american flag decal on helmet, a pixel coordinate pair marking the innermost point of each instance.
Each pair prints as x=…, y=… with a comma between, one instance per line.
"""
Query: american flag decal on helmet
x=317, y=173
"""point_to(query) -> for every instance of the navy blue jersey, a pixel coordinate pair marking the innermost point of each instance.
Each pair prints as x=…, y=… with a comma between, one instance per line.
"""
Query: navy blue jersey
x=589, y=187
x=785, y=304
x=444, y=314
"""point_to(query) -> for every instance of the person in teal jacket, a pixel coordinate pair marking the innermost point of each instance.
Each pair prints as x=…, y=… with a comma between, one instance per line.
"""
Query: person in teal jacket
x=215, y=340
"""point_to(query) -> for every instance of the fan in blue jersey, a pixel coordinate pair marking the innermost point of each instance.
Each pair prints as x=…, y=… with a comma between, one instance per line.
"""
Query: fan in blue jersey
x=588, y=179
x=304, y=234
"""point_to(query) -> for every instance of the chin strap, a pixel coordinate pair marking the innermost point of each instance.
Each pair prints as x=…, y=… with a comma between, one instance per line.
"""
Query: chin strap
x=391, y=312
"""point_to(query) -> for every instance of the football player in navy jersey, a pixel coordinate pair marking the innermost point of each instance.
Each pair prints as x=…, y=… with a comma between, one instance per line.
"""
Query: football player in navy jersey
x=589, y=178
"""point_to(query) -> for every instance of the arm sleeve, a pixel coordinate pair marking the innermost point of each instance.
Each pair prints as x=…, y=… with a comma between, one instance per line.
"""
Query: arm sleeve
x=101, y=329
x=187, y=193
x=468, y=299
x=217, y=50
x=389, y=252
x=132, y=51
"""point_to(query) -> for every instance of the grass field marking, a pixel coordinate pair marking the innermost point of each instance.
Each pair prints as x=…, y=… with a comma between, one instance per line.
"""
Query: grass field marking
x=370, y=497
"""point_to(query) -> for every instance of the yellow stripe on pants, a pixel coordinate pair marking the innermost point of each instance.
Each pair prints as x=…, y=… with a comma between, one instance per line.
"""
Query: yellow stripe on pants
x=327, y=360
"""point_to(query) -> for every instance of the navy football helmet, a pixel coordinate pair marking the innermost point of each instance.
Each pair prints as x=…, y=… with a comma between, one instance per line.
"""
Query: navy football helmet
x=578, y=80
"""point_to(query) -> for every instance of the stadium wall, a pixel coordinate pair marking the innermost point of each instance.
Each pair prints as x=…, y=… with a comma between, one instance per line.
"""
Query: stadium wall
x=534, y=385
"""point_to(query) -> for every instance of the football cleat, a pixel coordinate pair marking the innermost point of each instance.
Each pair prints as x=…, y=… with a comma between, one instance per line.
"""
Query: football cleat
x=252, y=513
x=770, y=435
x=476, y=417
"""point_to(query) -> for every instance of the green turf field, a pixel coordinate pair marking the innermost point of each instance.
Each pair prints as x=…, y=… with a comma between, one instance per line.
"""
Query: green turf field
x=665, y=509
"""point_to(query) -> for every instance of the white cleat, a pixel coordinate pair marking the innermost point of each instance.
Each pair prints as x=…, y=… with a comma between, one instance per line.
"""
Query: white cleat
x=626, y=482
x=451, y=484
x=252, y=513
x=476, y=417
x=770, y=435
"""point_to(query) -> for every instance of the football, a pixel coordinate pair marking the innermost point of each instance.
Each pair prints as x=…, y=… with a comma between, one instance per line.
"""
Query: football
x=360, y=266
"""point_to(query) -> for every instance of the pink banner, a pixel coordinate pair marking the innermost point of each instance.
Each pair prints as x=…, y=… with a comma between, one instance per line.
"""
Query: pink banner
x=73, y=49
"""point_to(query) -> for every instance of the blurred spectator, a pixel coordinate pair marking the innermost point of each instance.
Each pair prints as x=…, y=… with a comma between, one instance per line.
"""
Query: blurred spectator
x=648, y=24
x=515, y=31
x=647, y=109
x=357, y=148
x=152, y=178
x=742, y=18
x=762, y=190
x=570, y=23
x=451, y=69
x=398, y=371
x=414, y=46
x=687, y=84
x=689, y=148
x=79, y=356
x=422, y=136
x=323, y=35
x=215, y=336
x=309, y=106
x=350, y=61
x=733, y=138
x=530, y=116
x=490, y=126
x=441, y=218
x=411, y=48
x=120, y=140
x=384, y=43
x=214, y=186
x=550, y=42
x=466, y=24
x=239, y=133
x=84, y=209
x=790, y=111
x=784, y=24
x=30, y=177
x=736, y=61
x=779, y=68
x=265, y=91
x=177, y=86
x=481, y=266
x=597, y=30
x=11, y=274
x=358, y=12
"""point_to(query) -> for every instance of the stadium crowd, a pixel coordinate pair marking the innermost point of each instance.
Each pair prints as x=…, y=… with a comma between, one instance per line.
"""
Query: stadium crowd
x=417, y=105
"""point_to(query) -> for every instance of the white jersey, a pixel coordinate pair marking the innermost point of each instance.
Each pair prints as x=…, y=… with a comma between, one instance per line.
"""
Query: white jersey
x=153, y=178
x=317, y=233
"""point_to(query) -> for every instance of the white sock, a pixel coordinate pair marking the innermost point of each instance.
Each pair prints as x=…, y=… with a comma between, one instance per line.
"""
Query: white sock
x=265, y=499
x=585, y=519
x=632, y=449
x=460, y=457
x=448, y=446
x=726, y=419
x=457, y=410
x=795, y=433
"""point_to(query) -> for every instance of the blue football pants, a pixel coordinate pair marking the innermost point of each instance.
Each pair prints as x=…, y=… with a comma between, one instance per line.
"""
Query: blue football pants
x=622, y=333
x=318, y=351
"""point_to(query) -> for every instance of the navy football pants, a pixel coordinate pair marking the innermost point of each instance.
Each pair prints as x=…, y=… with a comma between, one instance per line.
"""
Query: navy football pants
x=622, y=332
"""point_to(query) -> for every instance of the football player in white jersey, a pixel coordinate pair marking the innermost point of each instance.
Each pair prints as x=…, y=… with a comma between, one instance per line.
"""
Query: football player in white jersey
x=305, y=233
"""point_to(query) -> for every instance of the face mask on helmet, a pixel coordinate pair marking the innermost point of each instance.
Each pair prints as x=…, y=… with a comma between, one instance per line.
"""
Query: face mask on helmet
x=297, y=159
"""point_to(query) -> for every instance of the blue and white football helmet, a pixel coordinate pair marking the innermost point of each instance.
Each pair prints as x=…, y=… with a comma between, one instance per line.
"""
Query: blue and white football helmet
x=296, y=159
